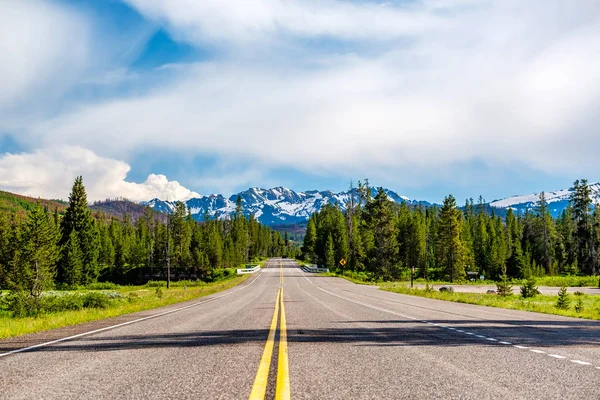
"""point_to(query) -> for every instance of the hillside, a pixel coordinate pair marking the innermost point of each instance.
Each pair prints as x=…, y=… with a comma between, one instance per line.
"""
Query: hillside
x=118, y=208
x=15, y=204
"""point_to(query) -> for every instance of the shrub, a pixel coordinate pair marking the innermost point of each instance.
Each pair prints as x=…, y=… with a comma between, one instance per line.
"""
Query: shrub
x=57, y=303
x=133, y=297
x=579, y=305
x=529, y=289
x=564, y=300
x=503, y=287
x=158, y=292
x=221, y=274
x=95, y=300
x=18, y=303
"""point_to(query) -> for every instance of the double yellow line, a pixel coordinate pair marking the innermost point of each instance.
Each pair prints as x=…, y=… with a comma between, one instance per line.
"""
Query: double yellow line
x=282, y=391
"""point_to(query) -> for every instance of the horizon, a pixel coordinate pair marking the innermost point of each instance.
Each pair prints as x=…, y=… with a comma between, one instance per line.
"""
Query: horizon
x=373, y=188
x=169, y=99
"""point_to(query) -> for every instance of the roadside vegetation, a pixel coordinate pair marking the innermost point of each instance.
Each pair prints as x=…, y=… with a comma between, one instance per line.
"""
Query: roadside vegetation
x=570, y=305
x=388, y=244
x=553, y=281
x=386, y=240
x=69, y=265
x=100, y=301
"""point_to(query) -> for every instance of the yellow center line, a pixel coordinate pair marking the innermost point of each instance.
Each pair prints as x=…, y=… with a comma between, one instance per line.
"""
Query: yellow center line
x=283, y=374
x=259, y=388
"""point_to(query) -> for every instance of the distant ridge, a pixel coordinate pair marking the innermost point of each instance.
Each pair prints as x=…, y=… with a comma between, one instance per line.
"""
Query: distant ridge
x=557, y=200
x=275, y=206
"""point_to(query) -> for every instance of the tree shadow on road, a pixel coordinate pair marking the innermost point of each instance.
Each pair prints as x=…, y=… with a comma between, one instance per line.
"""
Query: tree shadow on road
x=360, y=333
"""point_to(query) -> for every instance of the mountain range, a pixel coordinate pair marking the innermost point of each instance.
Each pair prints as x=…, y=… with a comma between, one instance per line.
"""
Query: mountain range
x=283, y=206
x=557, y=200
x=274, y=206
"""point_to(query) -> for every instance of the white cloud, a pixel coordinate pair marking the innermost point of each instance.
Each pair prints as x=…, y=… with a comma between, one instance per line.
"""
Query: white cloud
x=49, y=173
x=259, y=22
x=42, y=48
x=419, y=86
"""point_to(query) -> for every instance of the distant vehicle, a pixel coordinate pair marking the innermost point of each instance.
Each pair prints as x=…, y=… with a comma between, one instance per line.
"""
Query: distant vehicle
x=284, y=256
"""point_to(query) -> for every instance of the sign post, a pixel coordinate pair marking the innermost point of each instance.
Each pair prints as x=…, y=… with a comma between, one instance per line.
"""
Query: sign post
x=412, y=275
x=343, y=263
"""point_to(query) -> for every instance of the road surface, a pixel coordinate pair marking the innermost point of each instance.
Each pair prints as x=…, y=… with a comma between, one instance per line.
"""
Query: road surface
x=338, y=341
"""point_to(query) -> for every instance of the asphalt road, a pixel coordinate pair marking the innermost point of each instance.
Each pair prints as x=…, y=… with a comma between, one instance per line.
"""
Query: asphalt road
x=344, y=341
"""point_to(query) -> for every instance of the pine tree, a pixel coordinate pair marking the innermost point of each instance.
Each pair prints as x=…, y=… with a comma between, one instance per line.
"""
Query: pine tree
x=34, y=264
x=329, y=253
x=78, y=218
x=310, y=240
x=380, y=220
x=529, y=289
x=581, y=203
x=503, y=287
x=72, y=260
x=564, y=301
x=451, y=247
x=8, y=232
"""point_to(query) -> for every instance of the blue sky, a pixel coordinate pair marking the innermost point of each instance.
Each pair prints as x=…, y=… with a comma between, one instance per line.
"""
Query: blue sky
x=174, y=98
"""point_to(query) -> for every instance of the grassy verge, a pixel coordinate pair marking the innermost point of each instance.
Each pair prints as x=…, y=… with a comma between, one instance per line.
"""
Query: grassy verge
x=553, y=281
x=542, y=304
x=132, y=299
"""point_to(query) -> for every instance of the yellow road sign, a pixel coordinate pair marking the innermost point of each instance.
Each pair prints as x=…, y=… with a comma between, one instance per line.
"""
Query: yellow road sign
x=342, y=262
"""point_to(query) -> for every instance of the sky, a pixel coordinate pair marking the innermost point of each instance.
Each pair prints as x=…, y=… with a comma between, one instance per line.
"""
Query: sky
x=177, y=98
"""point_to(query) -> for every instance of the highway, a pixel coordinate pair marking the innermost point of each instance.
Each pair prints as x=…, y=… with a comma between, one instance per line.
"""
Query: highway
x=284, y=333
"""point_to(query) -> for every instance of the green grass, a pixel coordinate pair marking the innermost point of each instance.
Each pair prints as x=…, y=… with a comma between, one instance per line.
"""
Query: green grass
x=555, y=281
x=569, y=281
x=133, y=299
x=541, y=304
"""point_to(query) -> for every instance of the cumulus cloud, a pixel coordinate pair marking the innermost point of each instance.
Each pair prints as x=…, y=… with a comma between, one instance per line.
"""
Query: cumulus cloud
x=49, y=173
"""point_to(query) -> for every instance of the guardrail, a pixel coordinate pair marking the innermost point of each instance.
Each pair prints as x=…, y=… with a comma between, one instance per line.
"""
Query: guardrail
x=241, y=271
x=314, y=269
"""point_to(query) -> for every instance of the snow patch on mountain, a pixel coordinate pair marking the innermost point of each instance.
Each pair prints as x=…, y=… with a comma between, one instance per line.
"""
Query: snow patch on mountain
x=557, y=200
x=273, y=206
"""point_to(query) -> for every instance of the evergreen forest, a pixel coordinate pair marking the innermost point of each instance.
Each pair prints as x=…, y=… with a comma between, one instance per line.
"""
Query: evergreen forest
x=384, y=240
x=72, y=247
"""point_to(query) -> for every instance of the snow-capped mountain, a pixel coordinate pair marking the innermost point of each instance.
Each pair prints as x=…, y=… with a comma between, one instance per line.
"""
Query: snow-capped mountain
x=274, y=206
x=557, y=201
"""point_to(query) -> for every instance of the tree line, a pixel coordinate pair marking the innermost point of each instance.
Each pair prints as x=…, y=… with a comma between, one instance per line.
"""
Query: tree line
x=385, y=239
x=47, y=249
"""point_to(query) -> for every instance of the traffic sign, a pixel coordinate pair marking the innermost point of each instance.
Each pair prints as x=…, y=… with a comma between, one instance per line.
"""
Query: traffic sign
x=342, y=262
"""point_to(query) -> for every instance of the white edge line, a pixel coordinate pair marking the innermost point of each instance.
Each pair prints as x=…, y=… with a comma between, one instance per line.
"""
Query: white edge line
x=557, y=356
x=431, y=323
x=580, y=362
x=45, y=344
